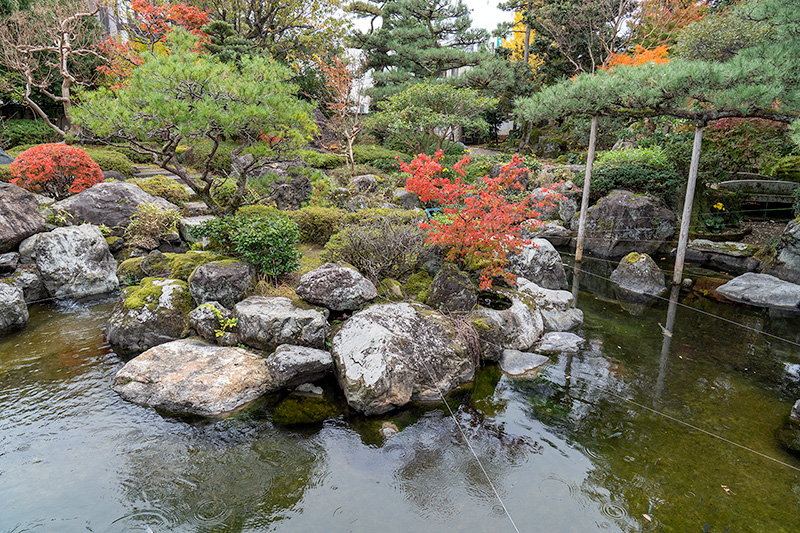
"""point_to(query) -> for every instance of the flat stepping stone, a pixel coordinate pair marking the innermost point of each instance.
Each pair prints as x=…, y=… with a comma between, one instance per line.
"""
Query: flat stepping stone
x=522, y=364
x=762, y=290
x=560, y=342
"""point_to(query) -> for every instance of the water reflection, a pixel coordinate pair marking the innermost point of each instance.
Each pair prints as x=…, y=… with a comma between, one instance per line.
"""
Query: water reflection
x=667, y=331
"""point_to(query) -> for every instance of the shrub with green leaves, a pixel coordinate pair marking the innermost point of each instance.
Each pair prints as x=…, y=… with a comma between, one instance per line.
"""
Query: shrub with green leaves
x=316, y=224
x=321, y=160
x=225, y=192
x=110, y=160
x=166, y=188
x=664, y=184
x=786, y=168
x=268, y=242
x=148, y=224
x=195, y=156
x=364, y=153
x=14, y=132
x=5, y=174
x=653, y=157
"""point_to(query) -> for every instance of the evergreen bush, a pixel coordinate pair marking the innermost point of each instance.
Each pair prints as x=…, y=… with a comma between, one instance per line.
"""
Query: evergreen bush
x=166, y=188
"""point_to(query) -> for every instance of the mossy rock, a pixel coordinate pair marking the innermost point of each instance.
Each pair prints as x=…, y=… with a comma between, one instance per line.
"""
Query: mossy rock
x=297, y=409
x=391, y=289
x=418, y=285
x=150, y=291
x=168, y=265
x=788, y=436
x=633, y=257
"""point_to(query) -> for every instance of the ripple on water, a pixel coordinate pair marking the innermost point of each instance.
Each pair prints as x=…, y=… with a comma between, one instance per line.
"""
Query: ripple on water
x=557, y=489
x=142, y=519
x=210, y=513
x=612, y=510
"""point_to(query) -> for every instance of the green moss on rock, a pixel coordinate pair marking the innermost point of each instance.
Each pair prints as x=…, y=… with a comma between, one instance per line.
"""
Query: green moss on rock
x=633, y=257
x=418, y=285
x=296, y=409
x=149, y=292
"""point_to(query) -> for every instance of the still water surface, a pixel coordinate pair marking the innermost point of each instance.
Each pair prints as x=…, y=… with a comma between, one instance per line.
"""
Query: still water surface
x=577, y=448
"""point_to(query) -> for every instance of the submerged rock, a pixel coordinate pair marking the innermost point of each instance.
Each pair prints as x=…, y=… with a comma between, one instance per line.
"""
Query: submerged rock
x=336, y=287
x=191, y=376
x=560, y=342
x=540, y=263
x=19, y=216
x=266, y=323
x=762, y=290
x=522, y=364
x=391, y=354
x=149, y=314
x=74, y=262
x=13, y=309
x=300, y=408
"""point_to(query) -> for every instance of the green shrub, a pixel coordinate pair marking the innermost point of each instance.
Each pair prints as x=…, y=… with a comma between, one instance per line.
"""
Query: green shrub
x=225, y=192
x=133, y=157
x=14, y=132
x=379, y=248
x=316, y=224
x=388, y=165
x=5, y=174
x=654, y=157
x=268, y=242
x=148, y=224
x=248, y=210
x=664, y=184
x=786, y=168
x=363, y=153
x=166, y=188
x=110, y=160
x=371, y=216
x=322, y=160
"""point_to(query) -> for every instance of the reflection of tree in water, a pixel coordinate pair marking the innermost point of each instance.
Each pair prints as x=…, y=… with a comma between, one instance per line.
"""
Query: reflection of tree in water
x=437, y=468
x=215, y=477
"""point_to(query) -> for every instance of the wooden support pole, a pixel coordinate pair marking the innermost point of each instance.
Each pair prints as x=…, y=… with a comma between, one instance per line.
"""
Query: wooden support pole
x=586, y=186
x=686, y=218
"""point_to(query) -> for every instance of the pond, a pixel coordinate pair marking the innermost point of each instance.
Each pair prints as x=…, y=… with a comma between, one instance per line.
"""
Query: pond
x=630, y=434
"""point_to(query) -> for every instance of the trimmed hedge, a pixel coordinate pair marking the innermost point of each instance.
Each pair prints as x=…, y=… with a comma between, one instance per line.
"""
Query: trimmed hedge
x=14, y=132
x=317, y=224
x=110, y=160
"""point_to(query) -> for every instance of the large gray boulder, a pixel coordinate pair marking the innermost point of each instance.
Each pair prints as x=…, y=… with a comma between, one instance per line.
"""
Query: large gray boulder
x=637, y=277
x=5, y=159
x=191, y=376
x=406, y=199
x=19, y=216
x=26, y=278
x=111, y=204
x=623, y=222
x=556, y=306
x=149, y=314
x=391, y=354
x=762, y=290
x=226, y=282
x=74, y=261
x=266, y=323
x=13, y=309
x=517, y=327
x=336, y=287
x=540, y=263
x=452, y=290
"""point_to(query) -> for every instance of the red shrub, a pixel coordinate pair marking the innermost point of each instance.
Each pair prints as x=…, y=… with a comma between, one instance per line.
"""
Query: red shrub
x=55, y=170
x=478, y=223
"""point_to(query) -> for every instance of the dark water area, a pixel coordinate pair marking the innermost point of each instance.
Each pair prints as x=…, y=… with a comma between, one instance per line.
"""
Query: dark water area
x=627, y=435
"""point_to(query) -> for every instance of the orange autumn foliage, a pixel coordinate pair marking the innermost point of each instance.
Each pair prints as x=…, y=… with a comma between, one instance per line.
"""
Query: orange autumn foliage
x=640, y=56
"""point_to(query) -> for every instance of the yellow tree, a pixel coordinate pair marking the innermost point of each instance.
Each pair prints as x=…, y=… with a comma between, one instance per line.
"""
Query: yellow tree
x=516, y=43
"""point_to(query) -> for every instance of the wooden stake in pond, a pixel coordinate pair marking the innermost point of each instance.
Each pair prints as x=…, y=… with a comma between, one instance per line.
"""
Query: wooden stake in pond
x=586, y=185
x=686, y=218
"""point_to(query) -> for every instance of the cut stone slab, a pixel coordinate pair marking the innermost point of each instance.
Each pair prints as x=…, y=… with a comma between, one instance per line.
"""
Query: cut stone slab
x=762, y=290
x=191, y=376
x=522, y=364
x=560, y=342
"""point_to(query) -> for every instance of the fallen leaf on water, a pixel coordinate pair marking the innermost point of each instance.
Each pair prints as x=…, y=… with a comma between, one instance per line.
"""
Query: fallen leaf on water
x=727, y=490
x=648, y=517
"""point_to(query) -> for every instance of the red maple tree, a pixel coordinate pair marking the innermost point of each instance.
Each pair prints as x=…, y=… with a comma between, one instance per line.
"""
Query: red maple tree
x=479, y=225
x=55, y=170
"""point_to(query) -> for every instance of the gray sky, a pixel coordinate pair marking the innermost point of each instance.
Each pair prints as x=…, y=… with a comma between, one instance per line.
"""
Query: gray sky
x=486, y=15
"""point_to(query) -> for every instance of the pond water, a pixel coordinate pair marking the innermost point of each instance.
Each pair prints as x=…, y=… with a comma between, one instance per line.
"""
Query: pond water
x=627, y=435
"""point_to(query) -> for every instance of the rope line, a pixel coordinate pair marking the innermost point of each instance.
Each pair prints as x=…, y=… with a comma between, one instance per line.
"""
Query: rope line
x=733, y=322
x=469, y=444
x=692, y=426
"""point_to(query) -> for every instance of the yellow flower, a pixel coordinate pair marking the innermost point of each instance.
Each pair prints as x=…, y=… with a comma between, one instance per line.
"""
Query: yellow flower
x=719, y=206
